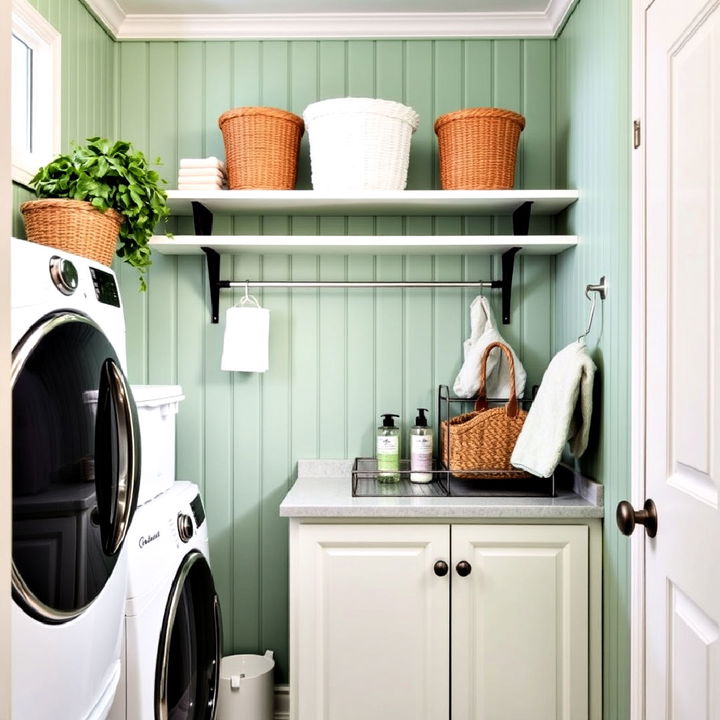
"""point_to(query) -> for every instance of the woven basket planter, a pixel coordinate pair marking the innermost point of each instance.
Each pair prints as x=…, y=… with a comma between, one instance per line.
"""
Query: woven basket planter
x=74, y=226
x=478, y=148
x=359, y=143
x=261, y=147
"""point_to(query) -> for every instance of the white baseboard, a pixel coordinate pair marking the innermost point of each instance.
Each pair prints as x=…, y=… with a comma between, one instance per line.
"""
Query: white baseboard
x=282, y=702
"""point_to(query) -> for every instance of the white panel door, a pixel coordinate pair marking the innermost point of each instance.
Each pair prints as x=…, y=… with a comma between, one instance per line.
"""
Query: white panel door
x=373, y=622
x=682, y=458
x=520, y=622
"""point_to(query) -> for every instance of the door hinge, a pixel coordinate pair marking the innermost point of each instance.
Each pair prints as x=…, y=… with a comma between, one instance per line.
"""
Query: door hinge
x=636, y=134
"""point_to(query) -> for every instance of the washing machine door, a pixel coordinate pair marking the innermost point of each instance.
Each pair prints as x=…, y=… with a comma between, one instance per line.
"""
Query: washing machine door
x=188, y=663
x=76, y=465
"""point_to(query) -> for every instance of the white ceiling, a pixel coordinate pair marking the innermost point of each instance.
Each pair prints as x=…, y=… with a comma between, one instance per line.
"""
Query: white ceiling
x=262, y=19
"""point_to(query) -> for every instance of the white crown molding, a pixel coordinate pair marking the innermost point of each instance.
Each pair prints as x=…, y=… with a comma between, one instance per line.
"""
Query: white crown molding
x=247, y=26
x=109, y=13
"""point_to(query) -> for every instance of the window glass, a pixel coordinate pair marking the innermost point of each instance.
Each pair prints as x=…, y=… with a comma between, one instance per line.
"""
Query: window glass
x=35, y=91
x=21, y=101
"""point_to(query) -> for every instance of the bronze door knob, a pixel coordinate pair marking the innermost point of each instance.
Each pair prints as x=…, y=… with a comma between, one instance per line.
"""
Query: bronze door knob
x=627, y=517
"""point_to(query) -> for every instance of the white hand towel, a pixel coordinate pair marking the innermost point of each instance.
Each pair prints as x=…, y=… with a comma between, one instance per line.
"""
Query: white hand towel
x=201, y=186
x=208, y=162
x=193, y=174
x=247, y=338
x=483, y=331
x=560, y=413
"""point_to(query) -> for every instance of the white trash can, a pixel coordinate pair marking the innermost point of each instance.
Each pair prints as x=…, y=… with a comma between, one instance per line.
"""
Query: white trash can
x=246, y=687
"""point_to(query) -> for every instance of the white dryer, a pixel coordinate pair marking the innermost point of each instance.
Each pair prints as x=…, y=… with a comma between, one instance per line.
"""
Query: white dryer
x=173, y=630
x=76, y=459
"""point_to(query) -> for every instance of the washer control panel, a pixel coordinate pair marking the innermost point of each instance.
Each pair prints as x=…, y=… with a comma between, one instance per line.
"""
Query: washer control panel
x=106, y=289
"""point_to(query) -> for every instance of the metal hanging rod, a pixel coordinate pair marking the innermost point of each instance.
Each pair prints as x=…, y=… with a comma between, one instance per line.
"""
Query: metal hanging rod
x=356, y=284
x=203, y=220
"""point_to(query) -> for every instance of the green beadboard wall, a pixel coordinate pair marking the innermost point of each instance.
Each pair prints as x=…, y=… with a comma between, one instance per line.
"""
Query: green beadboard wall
x=337, y=358
x=87, y=81
x=593, y=143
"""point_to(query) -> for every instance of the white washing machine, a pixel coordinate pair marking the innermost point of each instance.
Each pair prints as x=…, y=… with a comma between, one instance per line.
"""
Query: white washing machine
x=75, y=483
x=173, y=630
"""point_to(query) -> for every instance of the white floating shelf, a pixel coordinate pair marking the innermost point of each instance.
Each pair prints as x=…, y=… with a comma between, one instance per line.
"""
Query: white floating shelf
x=370, y=203
x=363, y=244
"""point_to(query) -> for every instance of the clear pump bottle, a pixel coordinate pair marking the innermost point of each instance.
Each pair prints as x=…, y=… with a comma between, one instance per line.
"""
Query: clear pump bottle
x=421, y=449
x=388, y=450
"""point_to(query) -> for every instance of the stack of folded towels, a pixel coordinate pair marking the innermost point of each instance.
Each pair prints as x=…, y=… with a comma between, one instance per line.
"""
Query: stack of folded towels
x=202, y=174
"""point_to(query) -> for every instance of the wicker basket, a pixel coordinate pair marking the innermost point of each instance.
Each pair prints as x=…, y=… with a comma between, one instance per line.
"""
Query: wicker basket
x=483, y=440
x=261, y=147
x=359, y=143
x=478, y=148
x=74, y=226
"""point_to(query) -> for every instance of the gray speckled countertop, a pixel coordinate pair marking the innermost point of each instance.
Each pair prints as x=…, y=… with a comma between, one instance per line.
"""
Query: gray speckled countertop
x=323, y=489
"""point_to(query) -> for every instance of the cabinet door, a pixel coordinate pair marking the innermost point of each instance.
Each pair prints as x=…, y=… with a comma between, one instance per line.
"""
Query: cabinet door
x=371, y=622
x=520, y=622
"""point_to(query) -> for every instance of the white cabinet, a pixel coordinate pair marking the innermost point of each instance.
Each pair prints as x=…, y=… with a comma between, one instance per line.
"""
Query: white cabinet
x=371, y=622
x=377, y=634
x=520, y=622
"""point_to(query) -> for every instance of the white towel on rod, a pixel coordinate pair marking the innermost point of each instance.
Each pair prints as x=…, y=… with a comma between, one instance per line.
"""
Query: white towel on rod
x=483, y=331
x=247, y=337
x=208, y=162
x=560, y=413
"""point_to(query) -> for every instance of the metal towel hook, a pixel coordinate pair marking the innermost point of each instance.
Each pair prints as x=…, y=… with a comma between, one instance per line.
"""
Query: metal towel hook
x=600, y=289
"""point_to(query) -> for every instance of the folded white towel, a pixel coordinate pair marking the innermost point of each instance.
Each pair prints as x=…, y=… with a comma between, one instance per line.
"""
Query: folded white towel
x=560, y=412
x=208, y=162
x=201, y=186
x=193, y=174
x=246, y=340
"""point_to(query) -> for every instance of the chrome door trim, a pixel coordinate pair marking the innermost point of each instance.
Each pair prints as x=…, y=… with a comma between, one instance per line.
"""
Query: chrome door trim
x=20, y=355
x=161, y=673
x=128, y=475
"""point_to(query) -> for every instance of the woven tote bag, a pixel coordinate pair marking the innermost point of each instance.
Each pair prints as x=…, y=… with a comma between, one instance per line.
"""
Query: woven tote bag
x=483, y=440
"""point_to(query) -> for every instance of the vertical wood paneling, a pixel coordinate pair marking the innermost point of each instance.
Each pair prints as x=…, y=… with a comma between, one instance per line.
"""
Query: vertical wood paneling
x=592, y=136
x=337, y=358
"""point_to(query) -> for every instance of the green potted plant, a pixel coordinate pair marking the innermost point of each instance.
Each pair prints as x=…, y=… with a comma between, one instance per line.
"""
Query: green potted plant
x=96, y=195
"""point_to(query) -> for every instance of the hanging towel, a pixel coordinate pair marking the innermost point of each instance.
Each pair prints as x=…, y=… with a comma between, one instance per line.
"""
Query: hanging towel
x=247, y=335
x=560, y=413
x=208, y=162
x=483, y=331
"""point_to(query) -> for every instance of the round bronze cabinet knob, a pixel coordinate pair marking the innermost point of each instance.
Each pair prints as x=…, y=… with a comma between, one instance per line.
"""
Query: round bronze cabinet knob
x=440, y=568
x=463, y=568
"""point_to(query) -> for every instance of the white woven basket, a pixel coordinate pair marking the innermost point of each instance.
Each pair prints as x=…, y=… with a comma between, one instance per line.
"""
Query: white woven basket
x=359, y=143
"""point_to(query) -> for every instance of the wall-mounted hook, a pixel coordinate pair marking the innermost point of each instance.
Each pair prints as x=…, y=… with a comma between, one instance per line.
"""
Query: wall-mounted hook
x=600, y=289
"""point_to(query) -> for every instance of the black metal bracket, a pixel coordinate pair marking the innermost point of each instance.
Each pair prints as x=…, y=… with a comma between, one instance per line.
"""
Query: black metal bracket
x=508, y=264
x=521, y=218
x=213, y=268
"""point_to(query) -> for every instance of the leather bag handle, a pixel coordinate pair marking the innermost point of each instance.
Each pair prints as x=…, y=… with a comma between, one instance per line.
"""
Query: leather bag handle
x=481, y=403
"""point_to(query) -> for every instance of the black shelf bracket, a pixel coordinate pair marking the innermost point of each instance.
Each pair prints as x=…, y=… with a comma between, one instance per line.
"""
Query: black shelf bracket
x=521, y=218
x=508, y=264
x=214, y=282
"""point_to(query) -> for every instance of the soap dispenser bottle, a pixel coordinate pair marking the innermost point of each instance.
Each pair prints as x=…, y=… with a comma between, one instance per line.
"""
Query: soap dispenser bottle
x=388, y=450
x=421, y=448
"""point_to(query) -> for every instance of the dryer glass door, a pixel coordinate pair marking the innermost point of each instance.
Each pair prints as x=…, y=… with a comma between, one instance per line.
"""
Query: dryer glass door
x=75, y=465
x=188, y=661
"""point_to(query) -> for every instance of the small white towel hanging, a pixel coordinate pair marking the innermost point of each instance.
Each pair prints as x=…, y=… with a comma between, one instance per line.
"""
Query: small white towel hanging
x=247, y=337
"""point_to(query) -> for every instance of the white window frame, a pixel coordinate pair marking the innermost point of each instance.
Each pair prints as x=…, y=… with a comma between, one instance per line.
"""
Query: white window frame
x=43, y=39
